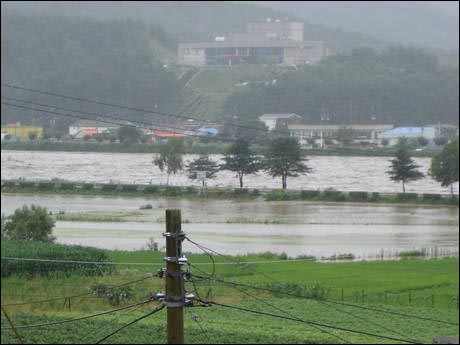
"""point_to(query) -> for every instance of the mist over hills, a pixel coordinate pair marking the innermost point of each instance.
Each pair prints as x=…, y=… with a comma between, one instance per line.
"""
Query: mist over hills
x=427, y=23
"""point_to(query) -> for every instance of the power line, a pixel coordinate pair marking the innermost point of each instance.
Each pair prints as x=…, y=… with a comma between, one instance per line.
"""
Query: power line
x=101, y=120
x=316, y=300
x=207, y=250
x=151, y=263
x=148, y=125
x=385, y=311
x=79, y=295
x=308, y=322
x=330, y=300
x=79, y=318
x=130, y=323
x=81, y=99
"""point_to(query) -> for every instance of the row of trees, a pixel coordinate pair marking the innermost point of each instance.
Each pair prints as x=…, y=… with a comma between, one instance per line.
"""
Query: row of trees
x=284, y=158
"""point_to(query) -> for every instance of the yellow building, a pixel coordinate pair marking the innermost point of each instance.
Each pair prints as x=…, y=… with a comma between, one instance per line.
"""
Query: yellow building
x=22, y=132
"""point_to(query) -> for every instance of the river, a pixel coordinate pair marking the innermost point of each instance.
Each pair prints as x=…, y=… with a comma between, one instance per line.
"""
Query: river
x=341, y=173
x=238, y=227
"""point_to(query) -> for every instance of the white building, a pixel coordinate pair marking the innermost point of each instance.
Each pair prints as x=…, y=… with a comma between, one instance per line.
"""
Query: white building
x=366, y=133
x=271, y=120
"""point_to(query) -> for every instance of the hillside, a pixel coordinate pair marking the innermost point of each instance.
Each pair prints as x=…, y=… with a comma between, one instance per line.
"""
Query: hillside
x=401, y=86
x=116, y=61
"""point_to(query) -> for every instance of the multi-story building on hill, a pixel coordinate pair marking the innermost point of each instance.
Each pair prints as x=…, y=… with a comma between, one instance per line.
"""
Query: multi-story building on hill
x=273, y=41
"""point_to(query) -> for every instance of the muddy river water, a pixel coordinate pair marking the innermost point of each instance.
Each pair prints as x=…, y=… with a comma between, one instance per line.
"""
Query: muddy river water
x=341, y=173
x=236, y=227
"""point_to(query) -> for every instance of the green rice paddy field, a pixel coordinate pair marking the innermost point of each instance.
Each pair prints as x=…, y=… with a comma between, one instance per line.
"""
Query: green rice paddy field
x=423, y=288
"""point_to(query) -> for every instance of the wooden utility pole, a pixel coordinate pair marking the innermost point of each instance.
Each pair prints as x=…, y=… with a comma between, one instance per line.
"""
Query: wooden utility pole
x=175, y=289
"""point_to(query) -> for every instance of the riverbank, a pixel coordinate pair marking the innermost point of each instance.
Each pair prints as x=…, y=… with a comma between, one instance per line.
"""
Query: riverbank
x=137, y=190
x=195, y=148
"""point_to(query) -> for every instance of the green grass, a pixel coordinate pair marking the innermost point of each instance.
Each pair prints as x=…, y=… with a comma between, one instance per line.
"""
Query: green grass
x=220, y=80
x=226, y=326
x=422, y=278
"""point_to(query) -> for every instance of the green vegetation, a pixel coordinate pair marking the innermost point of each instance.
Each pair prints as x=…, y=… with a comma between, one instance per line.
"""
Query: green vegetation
x=50, y=251
x=444, y=166
x=349, y=86
x=170, y=157
x=406, y=286
x=204, y=165
x=111, y=61
x=403, y=169
x=28, y=224
x=75, y=188
x=240, y=159
x=284, y=158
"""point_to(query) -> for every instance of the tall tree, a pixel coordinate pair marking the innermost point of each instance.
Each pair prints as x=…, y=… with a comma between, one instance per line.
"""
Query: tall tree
x=345, y=135
x=284, y=158
x=129, y=134
x=203, y=164
x=403, y=168
x=240, y=159
x=444, y=166
x=170, y=157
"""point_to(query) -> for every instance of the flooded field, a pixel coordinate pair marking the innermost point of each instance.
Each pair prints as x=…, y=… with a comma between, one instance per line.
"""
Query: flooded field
x=233, y=227
x=341, y=173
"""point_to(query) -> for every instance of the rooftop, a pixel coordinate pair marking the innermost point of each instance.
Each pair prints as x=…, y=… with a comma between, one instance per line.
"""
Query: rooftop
x=278, y=116
x=92, y=123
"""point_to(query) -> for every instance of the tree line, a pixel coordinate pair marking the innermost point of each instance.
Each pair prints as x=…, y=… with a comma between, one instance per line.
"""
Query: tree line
x=284, y=158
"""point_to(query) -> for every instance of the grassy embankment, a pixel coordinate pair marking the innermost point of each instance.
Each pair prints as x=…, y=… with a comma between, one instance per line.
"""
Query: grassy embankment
x=382, y=284
x=75, y=188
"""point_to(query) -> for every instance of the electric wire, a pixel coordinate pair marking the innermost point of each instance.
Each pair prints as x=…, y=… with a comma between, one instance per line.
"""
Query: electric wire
x=131, y=323
x=145, y=111
x=59, y=322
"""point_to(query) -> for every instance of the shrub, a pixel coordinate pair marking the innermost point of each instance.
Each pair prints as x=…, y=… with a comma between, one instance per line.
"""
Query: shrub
x=191, y=190
x=333, y=195
x=411, y=253
x=151, y=189
x=30, y=224
x=52, y=251
x=173, y=191
x=406, y=196
x=27, y=184
x=375, y=196
x=45, y=185
x=431, y=197
x=309, y=194
x=115, y=296
x=317, y=291
x=146, y=207
x=129, y=188
x=67, y=186
x=240, y=191
x=88, y=186
x=276, y=195
x=357, y=196
x=109, y=187
x=255, y=192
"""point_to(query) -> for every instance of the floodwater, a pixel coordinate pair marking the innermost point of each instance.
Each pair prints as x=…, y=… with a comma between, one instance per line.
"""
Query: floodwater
x=234, y=227
x=341, y=173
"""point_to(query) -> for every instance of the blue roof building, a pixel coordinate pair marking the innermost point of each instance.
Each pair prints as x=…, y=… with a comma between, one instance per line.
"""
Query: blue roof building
x=409, y=132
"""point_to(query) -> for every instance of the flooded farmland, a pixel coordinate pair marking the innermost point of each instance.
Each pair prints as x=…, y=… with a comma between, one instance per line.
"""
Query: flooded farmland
x=341, y=173
x=237, y=227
